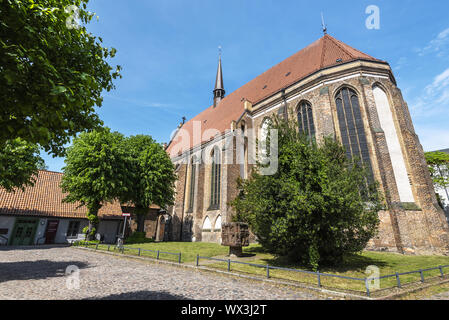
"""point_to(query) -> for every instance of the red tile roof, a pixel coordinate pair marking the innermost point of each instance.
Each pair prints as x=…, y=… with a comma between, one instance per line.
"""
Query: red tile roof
x=45, y=199
x=321, y=54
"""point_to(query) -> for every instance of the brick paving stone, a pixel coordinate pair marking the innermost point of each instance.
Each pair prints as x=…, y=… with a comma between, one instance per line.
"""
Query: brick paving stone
x=39, y=273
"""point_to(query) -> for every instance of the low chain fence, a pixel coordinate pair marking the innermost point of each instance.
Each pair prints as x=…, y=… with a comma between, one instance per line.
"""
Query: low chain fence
x=319, y=276
x=157, y=254
x=365, y=282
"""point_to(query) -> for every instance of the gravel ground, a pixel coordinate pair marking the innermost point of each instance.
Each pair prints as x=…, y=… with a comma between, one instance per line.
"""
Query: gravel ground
x=31, y=273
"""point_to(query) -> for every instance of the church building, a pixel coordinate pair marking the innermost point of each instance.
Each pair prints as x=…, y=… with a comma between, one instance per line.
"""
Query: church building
x=333, y=90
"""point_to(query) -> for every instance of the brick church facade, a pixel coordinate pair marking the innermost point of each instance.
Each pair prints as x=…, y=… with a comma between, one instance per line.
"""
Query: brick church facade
x=333, y=90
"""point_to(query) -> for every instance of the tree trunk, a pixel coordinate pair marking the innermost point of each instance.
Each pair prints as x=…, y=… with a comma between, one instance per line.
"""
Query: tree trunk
x=91, y=236
x=141, y=214
x=92, y=216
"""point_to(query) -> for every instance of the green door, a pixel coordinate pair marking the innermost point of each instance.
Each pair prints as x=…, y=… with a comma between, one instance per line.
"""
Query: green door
x=24, y=231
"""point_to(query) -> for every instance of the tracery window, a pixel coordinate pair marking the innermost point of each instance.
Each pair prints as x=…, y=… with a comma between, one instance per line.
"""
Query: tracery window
x=192, y=184
x=351, y=126
x=265, y=140
x=305, y=119
x=215, y=179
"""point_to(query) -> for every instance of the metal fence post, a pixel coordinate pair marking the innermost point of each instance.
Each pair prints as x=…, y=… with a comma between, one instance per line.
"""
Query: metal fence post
x=229, y=265
x=422, y=275
x=109, y=247
x=268, y=271
x=367, y=287
x=319, y=279
x=197, y=260
x=398, y=280
x=157, y=257
x=179, y=261
x=139, y=252
x=441, y=271
x=96, y=247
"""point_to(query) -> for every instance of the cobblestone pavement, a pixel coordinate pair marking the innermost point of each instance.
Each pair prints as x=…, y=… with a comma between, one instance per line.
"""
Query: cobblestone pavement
x=30, y=273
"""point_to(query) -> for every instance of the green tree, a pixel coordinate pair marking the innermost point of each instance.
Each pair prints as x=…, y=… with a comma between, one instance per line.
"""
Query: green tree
x=151, y=177
x=19, y=164
x=317, y=207
x=52, y=72
x=438, y=163
x=97, y=171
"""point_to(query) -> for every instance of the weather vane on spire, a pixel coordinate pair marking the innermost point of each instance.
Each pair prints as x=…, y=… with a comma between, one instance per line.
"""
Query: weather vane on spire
x=219, y=51
x=323, y=24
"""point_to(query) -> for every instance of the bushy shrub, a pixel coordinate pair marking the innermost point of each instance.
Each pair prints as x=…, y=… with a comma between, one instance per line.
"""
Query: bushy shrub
x=317, y=207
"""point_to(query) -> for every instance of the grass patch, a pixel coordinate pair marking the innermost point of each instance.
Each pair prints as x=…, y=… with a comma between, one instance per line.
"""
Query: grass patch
x=188, y=250
x=353, y=266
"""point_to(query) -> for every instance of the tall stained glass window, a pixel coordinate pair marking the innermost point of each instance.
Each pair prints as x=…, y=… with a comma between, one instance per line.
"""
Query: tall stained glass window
x=192, y=184
x=352, y=130
x=305, y=119
x=215, y=179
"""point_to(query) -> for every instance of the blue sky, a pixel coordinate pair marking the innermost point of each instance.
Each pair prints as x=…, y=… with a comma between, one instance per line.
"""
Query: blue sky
x=168, y=51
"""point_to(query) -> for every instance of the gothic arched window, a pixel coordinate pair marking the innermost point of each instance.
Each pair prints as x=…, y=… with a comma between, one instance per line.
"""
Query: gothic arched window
x=206, y=224
x=305, y=119
x=192, y=184
x=215, y=179
x=265, y=139
x=351, y=126
x=217, y=226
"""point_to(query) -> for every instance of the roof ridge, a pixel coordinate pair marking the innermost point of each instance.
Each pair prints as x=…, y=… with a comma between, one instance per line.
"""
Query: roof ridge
x=322, y=51
x=343, y=46
x=50, y=171
x=340, y=46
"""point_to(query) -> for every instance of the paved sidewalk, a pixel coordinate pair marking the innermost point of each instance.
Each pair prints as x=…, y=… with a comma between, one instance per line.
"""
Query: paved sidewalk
x=39, y=273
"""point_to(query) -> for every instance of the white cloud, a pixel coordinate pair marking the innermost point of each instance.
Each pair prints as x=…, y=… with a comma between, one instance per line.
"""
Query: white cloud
x=442, y=78
x=434, y=99
x=439, y=45
x=401, y=62
x=431, y=114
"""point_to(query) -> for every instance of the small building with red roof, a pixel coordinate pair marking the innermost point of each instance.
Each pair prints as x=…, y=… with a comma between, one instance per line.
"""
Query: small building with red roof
x=38, y=215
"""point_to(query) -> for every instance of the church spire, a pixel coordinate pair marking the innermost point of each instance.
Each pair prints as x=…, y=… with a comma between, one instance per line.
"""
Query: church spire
x=219, y=91
x=323, y=24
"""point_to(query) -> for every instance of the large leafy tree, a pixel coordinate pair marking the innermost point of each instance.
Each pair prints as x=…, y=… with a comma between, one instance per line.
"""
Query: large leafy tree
x=439, y=170
x=96, y=171
x=52, y=72
x=151, y=176
x=19, y=160
x=318, y=207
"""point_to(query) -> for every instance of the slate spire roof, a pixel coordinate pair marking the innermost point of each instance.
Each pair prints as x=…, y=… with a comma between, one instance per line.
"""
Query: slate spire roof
x=323, y=53
x=219, y=81
x=219, y=91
